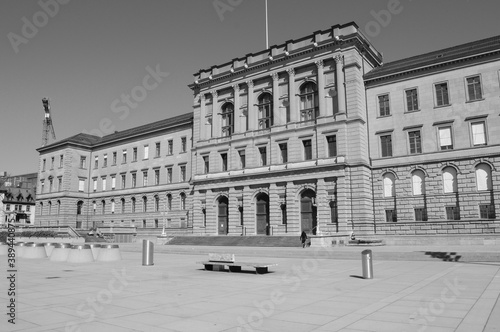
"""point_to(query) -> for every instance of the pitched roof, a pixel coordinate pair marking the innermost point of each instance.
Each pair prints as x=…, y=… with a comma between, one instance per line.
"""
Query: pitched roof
x=436, y=57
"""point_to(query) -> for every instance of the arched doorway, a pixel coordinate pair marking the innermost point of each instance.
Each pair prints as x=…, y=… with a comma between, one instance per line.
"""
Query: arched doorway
x=262, y=214
x=308, y=213
x=222, y=215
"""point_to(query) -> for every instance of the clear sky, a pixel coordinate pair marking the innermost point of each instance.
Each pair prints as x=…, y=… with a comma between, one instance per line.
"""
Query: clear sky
x=84, y=55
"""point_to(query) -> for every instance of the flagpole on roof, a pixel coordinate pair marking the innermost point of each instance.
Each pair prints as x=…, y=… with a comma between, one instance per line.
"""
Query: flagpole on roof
x=267, y=30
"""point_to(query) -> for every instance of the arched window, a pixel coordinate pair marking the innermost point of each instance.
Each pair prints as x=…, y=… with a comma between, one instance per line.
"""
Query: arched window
x=169, y=202
x=79, y=206
x=103, y=202
x=50, y=208
x=450, y=180
x=265, y=105
x=309, y=109
x=418, y=182
x=157, y=203
x=389, y=185
x=144, y=204
x=112, y=206
x=183, y=201
x=227, y=119
x=483, y=177
x=41, y=208
x=58, y=207
x=123, y=204
x=133, y=204
x=94, y=206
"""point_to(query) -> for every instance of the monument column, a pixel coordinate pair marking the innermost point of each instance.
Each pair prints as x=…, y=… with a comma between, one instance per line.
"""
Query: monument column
x=251, y=114
x=277, y=118
x=236, y=115
x=216, y=130
x=291, y=95
x=339, y=69
x=321, y=88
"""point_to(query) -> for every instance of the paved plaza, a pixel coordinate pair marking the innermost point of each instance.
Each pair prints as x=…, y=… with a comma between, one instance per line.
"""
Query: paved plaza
x=310, y=290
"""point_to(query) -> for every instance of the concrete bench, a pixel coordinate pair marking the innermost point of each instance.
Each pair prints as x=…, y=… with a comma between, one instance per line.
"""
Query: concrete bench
x=218, y=262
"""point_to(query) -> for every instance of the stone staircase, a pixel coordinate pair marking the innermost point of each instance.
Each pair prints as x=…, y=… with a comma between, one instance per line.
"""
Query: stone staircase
x=237, y=241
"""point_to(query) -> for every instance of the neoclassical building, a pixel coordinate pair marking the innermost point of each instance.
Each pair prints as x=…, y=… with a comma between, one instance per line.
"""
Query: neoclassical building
x=315, y=134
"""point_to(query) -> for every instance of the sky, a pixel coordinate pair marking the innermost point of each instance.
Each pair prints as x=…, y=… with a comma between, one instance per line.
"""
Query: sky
x=87, y=56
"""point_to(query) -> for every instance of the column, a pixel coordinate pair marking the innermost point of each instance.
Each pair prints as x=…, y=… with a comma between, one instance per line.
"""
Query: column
x=277, y=112
x=340, y=83
x=291, y=95
x=204, y=130
x=321, y=88
x=236, y=115
x=251, y=114
x=216, y=130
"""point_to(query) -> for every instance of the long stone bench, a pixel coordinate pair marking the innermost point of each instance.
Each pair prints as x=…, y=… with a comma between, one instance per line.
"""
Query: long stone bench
x=218, y=262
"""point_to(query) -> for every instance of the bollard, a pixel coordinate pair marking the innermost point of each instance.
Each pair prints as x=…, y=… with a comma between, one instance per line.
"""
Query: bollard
x=367, y=264
x=147, y=252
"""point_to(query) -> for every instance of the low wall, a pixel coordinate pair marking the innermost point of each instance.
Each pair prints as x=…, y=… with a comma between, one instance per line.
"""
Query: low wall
x=459, y=227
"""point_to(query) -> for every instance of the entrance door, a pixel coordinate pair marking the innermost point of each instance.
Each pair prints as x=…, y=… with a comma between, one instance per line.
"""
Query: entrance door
x=223, y=216
x=262, y=214
x=308, y=212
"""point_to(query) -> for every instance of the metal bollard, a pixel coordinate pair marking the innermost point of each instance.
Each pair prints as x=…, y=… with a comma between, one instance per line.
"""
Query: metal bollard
x=147, y=252
x=367, y=264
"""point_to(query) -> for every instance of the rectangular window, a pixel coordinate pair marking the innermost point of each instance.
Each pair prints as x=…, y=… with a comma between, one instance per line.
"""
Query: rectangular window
x=445, y=139
x=134, y=154
x=157, y=176
x=44, y=164
x=52, y=162
x=420, y=214
x=332, y=145
x=383, y=103
x=452, y=213
x=134, y=180
x=61, y=160
x=83, y=162
x=263, y=156
x=7, y=207
x=284, y=152
x=105, y=161
x=81, y=185
x=95, y=185
x=241, y=153
x=169, y=175
x=390, y=215
x=183, y=144
x=415, y=142
x=474, y=90
x=103, y=184
x=124, y=156
x=113, y=182
x=223, y=157
x=386, y=145
x=170, y=149
x=487, y=211
x=157, y=149
x=145, y=178
x=478, y=133
x=307, y=149
x=206, y=164
x=183, y=173
x=124, y=179
x=114, y=158
x=442, y=98
x=411, y=100
x=146, y=151
x=96, y=162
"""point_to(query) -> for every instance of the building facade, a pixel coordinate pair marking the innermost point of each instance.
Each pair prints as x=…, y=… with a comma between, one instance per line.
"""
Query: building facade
x=316, y=134
x=17, y=198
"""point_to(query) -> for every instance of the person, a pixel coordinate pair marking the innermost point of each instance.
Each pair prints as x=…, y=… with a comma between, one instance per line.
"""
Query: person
x=303, y=238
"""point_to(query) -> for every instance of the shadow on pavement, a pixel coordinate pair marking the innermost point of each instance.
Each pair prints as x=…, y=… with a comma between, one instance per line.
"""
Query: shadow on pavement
x=445, y=256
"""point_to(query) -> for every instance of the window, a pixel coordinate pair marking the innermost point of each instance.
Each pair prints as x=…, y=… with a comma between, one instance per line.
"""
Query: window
x=124, y=181
x=169, y=202
x=450, y=180
x=81, y=185
x=41, y=208
x=44, y=164
x=134, y=154
x=157, y=149
x=7, y=206
x=105, y=161
x=265, y=106
x=483, y=177
x=52, y=162
x=284, y=152
x=183, y=201
x=114, y=158
x=309, y=109
x=83, y=162
x=442, y=98
x=134, y=180
x=96, y=162
x=183, y=144
x=389, y=185
x=206, y=164
x=333, y=212
x=223, y=157
x=452, y=213
x=487, y=211
x=122, y=205
x=227, y=119
x=263, y=156
x=157, y=203
x=390, y=215
x=383, y=105
x=415, y=141
x=332, y=145
x=133, y=204
x=445, y=138
x=124, y=156
x=170, y=149
x=157, y=176
x=113, y=182
x=59, y=183
x=241, y=153
x=386, y=145
x=418, y=182
x=146, y=151
x=145, y=178
x=112, y=206
x=478, y=133
x=144, y=204
x=61, y=160
x=51, y=184
x=474, y=88
x=307, y=149
x=420, y=214
x=95, y=184
x=103, y=203
x=103, y=184
x=411, y=100
x=169, y=175
x=183, y=173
